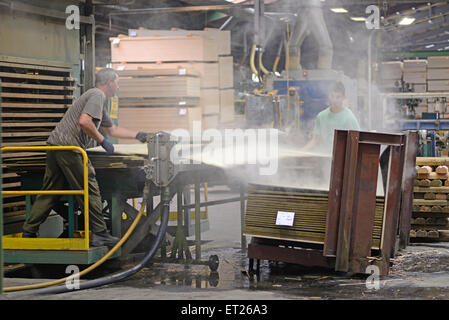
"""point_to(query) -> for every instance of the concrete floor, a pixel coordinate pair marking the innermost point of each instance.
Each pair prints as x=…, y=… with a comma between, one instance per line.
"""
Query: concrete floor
x=419, y=272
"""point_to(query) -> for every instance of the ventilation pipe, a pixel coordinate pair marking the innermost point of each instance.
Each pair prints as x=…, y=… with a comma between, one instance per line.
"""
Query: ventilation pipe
x=310, y=20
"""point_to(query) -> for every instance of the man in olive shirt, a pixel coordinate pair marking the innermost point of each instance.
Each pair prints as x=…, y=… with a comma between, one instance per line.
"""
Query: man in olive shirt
x=335, y=117
x=80, y=127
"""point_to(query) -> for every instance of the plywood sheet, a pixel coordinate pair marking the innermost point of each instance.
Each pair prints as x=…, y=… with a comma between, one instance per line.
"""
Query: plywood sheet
x=226, y=65
x=222, y=37
x=153, y=49
x=157, y=119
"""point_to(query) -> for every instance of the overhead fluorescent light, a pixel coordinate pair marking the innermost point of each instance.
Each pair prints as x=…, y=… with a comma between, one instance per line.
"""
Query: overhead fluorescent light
x=406, y=21
x=339, y=10
x=358, y=19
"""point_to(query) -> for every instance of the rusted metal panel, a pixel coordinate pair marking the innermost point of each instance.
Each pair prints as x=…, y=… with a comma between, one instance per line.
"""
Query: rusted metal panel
x=307, y=257
x=347, y=202
x=411, y=152
x=392, y=200
x=335, y=189
x=364, y=205
x=382, y=138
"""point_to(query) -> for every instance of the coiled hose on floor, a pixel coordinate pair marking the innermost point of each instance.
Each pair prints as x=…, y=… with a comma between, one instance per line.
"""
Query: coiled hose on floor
x=41, y=288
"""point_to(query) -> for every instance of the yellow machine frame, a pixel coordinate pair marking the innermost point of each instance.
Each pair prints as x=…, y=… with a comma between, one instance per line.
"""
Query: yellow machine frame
x=16, y=241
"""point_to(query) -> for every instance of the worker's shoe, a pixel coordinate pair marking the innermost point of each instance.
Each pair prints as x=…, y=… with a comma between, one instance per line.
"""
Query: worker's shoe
x=26, y=234
x=103, y=238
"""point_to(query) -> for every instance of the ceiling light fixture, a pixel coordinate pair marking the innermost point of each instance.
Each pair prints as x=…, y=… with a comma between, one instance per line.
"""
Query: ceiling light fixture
x=339, y=10
x=406, y=21
x=358, y=19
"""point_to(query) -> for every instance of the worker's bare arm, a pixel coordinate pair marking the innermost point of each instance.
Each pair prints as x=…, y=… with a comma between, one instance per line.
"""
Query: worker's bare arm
x=88, y=126
x=118, y=132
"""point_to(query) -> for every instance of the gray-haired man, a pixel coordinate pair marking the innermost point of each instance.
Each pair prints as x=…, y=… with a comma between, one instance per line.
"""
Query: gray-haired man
x=79, y=127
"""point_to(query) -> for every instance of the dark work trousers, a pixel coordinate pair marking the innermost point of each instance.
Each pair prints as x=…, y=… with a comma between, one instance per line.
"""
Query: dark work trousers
x=64, y=171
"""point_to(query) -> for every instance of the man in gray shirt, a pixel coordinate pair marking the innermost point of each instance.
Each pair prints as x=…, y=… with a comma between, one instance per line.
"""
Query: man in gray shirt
x=80, y=127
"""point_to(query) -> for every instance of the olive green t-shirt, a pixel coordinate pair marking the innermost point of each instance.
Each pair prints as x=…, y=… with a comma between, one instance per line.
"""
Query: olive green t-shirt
x=68, y=131
x=327, y=121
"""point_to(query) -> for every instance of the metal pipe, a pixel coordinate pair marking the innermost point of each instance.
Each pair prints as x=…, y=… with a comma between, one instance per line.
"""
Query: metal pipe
x=370, y=76
x=226, y=23
x=178, y=9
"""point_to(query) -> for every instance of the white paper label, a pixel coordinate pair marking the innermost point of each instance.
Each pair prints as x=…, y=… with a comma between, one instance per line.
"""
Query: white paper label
x=182, y=112
x=182, y=71
x=285, y=218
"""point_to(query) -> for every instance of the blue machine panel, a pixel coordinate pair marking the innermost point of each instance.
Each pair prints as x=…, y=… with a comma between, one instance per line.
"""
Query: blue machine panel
x=314, y=93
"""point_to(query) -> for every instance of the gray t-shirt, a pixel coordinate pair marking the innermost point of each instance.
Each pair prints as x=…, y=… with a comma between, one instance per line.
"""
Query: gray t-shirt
x=68, y=132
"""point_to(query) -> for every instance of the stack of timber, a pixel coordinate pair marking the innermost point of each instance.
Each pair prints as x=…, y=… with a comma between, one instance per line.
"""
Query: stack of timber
x=430, y=204
x=35, y=95
x=310, y=212
x=168, y=55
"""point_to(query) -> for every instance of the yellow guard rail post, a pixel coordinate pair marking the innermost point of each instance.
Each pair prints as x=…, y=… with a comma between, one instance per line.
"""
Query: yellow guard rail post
x=16, y=242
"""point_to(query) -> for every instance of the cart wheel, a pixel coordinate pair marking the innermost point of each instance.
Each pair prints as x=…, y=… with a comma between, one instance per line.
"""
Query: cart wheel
x=213, y=262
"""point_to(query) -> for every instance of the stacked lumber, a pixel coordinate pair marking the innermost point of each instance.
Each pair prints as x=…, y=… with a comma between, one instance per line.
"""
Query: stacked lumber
x=391, y=75
x=187, y=54
x=35, y=95
x=438, y=74
x=310, y=212
x=430, y=204
x=415, y=75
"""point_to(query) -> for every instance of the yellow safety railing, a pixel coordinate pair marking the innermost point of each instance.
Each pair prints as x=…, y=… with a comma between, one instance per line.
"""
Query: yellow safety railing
x=16, y=242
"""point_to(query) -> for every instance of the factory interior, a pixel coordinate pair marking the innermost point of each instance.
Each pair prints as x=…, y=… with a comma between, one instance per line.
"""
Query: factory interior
x=224, y=150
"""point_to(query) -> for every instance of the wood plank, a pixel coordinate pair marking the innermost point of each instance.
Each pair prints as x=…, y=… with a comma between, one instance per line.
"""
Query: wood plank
x=432, y=161
x=34, y=76
x=20, y=105
x=36, y=86
x=21, y=154
x=25, y=134
x=11, y=185
x=28, y=124
x=36, y=96
x=420, y=202
x=30, y=115
x=35, y=67
x=24, y=143
x=208, y=72
x=36, y=62
x=14, y=204
x=10, y=175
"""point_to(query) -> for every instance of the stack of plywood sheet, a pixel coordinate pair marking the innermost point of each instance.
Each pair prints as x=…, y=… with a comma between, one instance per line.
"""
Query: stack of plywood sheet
x=204, y=53
x=430, y=203
x=35, y=95
x=438, y=74
x=308, y=208
x=415, y=74
x=391, y=75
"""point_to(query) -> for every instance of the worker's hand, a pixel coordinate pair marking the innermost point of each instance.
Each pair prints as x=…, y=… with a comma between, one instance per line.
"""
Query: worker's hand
x=107, y=145
x=142, y=136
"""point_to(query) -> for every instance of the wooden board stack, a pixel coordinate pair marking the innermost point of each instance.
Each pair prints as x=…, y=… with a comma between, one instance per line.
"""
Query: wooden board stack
x=430, y=204
x=35, y=95
x=415, y=74
x=438, y=74
x=182, y=69
x=310, y=212
x=391, y=73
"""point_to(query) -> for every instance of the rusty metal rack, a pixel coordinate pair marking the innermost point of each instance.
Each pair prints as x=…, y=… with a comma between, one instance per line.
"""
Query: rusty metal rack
x=347, y=244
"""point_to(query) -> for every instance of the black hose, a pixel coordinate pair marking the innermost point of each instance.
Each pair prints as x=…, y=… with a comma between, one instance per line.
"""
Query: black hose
x=121, y=275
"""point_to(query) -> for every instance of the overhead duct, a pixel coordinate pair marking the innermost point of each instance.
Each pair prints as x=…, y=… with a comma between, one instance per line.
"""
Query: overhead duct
x=310, y=20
